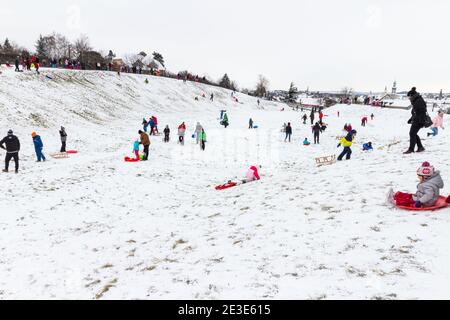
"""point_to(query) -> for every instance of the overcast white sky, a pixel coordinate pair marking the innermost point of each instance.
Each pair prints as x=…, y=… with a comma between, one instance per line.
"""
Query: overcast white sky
x=323, y=44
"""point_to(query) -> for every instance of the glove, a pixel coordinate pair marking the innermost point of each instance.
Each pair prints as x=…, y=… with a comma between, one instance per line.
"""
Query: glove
x=410, y=121
x=418, y=204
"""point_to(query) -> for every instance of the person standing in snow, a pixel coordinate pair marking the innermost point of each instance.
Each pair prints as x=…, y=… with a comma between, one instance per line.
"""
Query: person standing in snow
x=305, y=117
x=155, y=122
x=212, y=97
x=250, y=123
x=12, y=146
x=63, y=135
x=288, y=132
x=259, y=102
x=317, y=130
x=167, y=134
x=181, y=133
x=252, y=175
x=202, y=140
x=372, y=116
x=145, y=141
x=364, y=121
x=417, y=121
x=312, y=116
x=145, y=124
x=17, y=64
x=198, y=132
x=438, y=122
x=347, y=142
x=151, y=123
x=38, y=146
x=136, y=148
x=321, y=115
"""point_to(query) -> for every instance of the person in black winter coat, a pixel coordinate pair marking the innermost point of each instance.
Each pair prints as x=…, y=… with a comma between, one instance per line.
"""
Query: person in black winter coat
x=63, y=136
x=12, y=148
x=288, y=132
x=166, y=134
x=317, y=130
x=417, y=121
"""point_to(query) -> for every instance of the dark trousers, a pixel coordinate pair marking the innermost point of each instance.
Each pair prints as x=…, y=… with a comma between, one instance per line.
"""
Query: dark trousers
x=152, y=130
x=40, y=156
x=146, y=153
x=203, y=145
x=166, y=138
x=181, y=139
x=347, y=152
x=8, y=158
x=63, y=146
x=414, y=137
x=316, y=138
x=288, y=135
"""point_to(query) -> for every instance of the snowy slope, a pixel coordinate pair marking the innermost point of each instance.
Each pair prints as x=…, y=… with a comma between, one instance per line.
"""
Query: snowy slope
x=92, y=226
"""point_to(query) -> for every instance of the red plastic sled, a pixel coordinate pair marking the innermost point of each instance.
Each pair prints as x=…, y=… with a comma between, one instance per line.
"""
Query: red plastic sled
x=128, y=159
x=72, y=152
x=440, y=204
x=227, y=186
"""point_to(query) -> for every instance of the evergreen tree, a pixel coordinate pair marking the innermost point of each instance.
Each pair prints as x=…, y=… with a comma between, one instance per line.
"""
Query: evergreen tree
x=158, y=57
x=7, y=47
x=225, y=82
x=40, y=47
x=293, y=92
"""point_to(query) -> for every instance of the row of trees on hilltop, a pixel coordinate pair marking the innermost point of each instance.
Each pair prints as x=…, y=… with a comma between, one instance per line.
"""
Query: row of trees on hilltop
x=56, y=50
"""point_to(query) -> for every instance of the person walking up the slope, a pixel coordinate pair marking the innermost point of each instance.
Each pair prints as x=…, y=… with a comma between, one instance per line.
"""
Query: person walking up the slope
x=250, y=123
x=198, y=132
x=347, y=142
x=167, y=134
x=181, y=133
x=63, y=135
x=417, y=121
x=252, y=175
x=145, y=141
x=202, y=140
x=317, y=130
x=288, y=132
x=12, y=148
x=136, y=148
x=38, y=146
x=438, y=122
x=305, y=118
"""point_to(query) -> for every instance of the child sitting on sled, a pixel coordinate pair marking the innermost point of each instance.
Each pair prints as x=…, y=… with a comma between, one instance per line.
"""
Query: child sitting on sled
x=427, y=193
x=306, y=142
x=367, y=146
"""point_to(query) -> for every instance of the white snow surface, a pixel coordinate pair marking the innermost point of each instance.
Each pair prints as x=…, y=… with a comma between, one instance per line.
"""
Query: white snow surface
x=95, y=227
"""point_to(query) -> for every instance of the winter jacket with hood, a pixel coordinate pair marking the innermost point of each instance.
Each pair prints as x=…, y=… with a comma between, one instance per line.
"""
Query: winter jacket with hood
x=438, y=122
x=252, y=174
x=428, y=191
x=12, y=144
x=145, y=140
x=347, y=141
x=419, y=110
x=38, y=145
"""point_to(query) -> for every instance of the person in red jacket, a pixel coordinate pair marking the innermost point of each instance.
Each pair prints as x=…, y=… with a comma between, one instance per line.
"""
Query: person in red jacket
x=252, y=175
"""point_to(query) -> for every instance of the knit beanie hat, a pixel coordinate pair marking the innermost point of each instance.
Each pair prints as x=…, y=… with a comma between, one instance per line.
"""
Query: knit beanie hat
x=412, y=92
x=426, y=170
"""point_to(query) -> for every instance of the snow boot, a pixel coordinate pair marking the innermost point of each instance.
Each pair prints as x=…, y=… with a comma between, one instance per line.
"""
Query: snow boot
x=421, y=149
x=4, y=170
x=408, y=152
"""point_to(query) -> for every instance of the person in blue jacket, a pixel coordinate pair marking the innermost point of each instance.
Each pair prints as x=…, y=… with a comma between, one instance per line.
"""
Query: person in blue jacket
x=38, y=146
x=152, y=125
x=367, y=146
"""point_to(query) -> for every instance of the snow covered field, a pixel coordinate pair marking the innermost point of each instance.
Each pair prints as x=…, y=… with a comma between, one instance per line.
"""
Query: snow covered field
x=95, y=227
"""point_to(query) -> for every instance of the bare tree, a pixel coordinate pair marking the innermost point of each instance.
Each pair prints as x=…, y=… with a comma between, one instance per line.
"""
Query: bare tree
x=81, y=45
x=262, y=86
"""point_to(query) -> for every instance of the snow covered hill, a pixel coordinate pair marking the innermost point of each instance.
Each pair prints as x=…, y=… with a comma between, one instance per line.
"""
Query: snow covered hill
x=95, y=227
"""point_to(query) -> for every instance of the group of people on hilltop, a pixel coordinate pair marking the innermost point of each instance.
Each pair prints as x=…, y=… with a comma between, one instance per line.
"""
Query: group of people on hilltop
x=11, y=144
x=27, y=63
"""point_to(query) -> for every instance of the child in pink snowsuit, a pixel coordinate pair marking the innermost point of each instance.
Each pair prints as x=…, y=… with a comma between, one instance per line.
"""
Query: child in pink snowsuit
x=252, y=174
